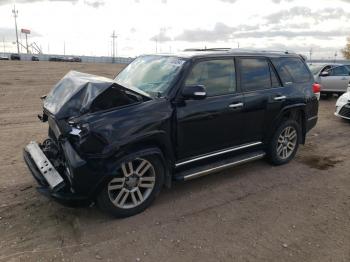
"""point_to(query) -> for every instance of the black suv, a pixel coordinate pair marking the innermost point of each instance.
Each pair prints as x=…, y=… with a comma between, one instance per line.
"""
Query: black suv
x=169, y=117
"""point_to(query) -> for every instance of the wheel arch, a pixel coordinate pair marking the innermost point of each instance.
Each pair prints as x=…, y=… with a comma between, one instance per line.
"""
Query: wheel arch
x=296, y=112
x=150, y=145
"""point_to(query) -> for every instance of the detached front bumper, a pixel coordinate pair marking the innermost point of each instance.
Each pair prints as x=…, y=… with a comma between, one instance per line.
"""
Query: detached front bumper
x=52, y=183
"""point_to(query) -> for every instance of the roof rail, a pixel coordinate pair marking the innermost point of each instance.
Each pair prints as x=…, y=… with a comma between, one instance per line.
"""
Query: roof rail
x=262, y=51
x=208, y=49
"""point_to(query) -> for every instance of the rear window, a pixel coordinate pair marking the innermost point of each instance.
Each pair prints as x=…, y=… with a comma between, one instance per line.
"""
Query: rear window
x=292, y=69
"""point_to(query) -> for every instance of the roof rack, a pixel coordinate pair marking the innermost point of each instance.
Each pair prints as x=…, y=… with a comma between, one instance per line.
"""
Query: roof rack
x=262, y=51
x=207, y=49
x=238, y=50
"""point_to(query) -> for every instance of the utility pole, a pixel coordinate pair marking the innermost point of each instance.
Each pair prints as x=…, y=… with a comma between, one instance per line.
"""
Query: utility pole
x=64, y=48
x=27, y=43
x=3, y=42
x=114, y=37
x=156, y=45
x=310, y=52
x=15, y=15
x=335, y=56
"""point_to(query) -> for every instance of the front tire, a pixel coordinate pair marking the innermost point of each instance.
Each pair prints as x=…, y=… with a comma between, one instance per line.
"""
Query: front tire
x=284, y=143
x=134, y=188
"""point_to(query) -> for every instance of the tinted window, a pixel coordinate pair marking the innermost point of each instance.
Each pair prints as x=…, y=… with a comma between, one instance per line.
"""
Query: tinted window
x=255, y=74
x=292, y=69
x=218, y=76
x=274, y=79
x=340, y=71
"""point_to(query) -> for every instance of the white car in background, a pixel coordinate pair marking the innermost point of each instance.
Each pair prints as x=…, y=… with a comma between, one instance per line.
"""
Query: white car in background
x=342, y=107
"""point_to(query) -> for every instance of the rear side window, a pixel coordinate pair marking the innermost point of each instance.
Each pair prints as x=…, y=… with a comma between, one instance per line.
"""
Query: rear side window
x=292, y=69
x=340, y=71
x=256, y=74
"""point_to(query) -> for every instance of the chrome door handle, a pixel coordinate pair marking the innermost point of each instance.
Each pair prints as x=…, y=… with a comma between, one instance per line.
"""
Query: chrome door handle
x=238, y=105
x=279, y=98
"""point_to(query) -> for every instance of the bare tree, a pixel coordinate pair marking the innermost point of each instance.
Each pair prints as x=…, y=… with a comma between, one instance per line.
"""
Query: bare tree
x=346, y=50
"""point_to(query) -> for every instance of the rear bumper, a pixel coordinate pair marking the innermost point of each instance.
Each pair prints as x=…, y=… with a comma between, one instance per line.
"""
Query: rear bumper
x=62, y=192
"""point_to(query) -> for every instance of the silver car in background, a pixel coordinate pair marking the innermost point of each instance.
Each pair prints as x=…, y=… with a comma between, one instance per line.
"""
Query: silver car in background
x=333, y=78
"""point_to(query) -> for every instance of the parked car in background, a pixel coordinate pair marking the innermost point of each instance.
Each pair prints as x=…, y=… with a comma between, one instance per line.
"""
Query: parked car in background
x=4, y=58
x=73, y=59
x=15, y=57
x=56, y=59
x=35, y=58
x=342, y=107
x=170, y=117
x=333, y=78
x=65, y=59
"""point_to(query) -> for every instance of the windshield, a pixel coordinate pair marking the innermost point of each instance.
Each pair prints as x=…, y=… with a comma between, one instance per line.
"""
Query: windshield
x=152, y=74
x=315, y=68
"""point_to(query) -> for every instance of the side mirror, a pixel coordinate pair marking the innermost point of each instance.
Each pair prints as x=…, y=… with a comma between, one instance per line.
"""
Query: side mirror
x=324, y=73
x=194, y=92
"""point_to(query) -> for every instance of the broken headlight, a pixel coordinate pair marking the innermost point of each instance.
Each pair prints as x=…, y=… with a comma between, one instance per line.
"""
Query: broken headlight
x=86, y=140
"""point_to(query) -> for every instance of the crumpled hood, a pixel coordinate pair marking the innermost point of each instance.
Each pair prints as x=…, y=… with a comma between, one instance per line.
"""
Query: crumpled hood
x=75, y=93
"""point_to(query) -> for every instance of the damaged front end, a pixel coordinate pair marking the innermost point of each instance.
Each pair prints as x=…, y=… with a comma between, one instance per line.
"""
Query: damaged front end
x=62, y=164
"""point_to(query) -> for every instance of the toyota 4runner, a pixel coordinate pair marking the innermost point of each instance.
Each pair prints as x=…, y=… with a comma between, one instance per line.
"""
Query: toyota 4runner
x=169, y=117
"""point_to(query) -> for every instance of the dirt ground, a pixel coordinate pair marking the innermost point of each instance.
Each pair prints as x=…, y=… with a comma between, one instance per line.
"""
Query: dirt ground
x=257, y=212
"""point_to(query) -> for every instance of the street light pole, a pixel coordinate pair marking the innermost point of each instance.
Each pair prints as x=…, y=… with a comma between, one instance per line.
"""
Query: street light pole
x=310, y=52
x=3, y=42
x=15, y=15
x=114, y=36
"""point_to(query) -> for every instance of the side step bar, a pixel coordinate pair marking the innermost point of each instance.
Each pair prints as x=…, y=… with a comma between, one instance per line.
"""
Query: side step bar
x=219, y=165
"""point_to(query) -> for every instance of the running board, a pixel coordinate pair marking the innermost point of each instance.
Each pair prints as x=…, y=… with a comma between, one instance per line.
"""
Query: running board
x=219, y=165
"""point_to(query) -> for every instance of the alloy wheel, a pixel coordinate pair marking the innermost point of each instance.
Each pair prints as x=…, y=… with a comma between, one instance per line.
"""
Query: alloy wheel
x=134, y=184
x=287, y=142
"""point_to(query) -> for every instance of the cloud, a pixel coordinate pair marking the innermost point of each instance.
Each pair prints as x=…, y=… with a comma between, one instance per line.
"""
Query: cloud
x=305, y=12
x=219, y=32
x=229, y=1
x=291, y=34
x=94, y=4
x=161, y=37
x=10, y=35
x=222, y=32
x=279, y=1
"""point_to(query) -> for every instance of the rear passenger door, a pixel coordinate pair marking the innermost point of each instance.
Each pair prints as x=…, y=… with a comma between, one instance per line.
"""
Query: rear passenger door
x=264, y=95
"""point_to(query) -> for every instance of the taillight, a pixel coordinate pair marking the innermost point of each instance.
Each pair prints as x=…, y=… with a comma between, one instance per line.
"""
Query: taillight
x=316, y=88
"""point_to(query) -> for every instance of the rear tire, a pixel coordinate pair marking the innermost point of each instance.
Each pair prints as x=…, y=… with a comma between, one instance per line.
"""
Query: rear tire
x=284, y=143
x=135, y=186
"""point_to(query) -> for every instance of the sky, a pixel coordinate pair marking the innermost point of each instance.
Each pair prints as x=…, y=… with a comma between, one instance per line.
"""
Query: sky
x=84, y=27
